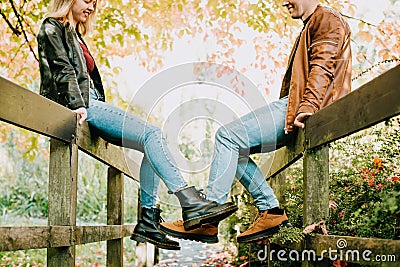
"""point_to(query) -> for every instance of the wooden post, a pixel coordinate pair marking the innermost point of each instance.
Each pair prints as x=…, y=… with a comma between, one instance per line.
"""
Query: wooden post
x=62, y=201
x=278, y=184
x=115, y=215
x=316, y=190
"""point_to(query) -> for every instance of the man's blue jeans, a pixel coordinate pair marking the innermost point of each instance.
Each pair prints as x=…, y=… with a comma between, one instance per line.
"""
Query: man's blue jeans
x=124, y=129
x=261, y=130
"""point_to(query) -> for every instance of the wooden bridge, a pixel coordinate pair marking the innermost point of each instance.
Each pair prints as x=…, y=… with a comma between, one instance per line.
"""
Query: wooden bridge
x=372, y=103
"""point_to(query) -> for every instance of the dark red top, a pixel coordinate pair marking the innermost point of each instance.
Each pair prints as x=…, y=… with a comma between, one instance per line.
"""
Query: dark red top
x=88, y=58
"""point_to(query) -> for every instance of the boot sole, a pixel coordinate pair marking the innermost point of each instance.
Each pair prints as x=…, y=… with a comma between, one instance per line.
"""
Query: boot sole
x=142, y=239
x=211, y=239
x=196, y=222
x=263, y=234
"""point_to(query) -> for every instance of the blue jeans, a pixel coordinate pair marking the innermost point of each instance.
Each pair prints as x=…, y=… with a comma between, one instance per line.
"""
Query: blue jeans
x=124, y=129
x=259, y=131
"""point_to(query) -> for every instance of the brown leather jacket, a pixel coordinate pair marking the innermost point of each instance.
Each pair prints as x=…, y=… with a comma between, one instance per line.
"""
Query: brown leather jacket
x=319, y=69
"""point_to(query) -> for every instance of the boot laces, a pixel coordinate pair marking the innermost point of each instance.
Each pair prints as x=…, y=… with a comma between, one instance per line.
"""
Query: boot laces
x=258, y=218
x=179, y=223
x=158, y=217
x=202, y=194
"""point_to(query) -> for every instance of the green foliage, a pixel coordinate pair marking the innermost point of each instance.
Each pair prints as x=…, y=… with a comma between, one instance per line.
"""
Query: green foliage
x=365, y=196
x=288, y=235
x=23, y=258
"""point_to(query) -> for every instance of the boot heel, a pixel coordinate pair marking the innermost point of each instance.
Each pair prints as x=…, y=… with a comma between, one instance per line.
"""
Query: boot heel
x=138, y=238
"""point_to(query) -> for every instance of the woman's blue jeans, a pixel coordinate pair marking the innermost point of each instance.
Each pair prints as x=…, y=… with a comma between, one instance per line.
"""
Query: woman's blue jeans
x=124, y=129
x=261, y=130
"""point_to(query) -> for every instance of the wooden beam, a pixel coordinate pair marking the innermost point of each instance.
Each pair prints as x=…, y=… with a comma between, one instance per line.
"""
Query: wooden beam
x=31, y=111
x=109, y=154
x=285, y=156
x=26, y=109
x=315, y=190
x=38, y=237
x=370, y=104
x=115, y=215
x=63, y=177
x=316, y=185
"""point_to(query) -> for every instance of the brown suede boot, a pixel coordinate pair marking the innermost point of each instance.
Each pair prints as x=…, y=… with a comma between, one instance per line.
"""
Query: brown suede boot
x=207, y=233
x=267, y=224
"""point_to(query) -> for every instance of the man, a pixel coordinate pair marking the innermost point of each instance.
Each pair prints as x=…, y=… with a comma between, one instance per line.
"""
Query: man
x=318, y=73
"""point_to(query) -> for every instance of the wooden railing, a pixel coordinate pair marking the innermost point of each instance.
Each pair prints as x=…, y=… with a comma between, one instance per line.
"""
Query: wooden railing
x=26, y=109
x=370, y=104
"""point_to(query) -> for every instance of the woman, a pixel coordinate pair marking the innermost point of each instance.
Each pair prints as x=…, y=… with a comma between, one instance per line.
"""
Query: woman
x=70, y=77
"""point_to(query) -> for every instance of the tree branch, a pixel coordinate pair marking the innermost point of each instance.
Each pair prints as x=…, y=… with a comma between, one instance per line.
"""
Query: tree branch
x=22, y=29
x=13, y=29
x=361, y=20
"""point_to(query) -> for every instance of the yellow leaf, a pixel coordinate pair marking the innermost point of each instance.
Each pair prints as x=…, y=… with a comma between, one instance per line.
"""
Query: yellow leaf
x=366, y=36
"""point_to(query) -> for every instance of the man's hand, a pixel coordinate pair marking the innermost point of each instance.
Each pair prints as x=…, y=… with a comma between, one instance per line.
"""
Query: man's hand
x=300, y=118
x=82, y=114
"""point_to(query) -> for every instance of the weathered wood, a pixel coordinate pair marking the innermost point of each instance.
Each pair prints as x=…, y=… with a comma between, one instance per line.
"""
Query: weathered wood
x=105, y=152
x=36, y=237
x=20, y=238
x=278, y=184
x=63, y=176
x=316, y=189
x=316, y=185
x=285, y=156
x=26, y=109
x=370, y=104
x=115, y=215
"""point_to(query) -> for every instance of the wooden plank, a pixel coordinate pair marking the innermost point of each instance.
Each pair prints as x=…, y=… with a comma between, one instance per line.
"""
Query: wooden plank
x=278, y=184
x=63, y=176
x=285, y=156
x=115, y=215
x=316, y=190
x=91, y=234
x=37, y=237
x=27, y=109
x=315, y=185
x=63, y=172
x=20, y=238
x=372, y=103
x=105, y=152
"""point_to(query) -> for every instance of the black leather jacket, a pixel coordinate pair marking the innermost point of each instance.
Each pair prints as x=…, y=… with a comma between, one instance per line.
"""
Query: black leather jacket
x=63, y=71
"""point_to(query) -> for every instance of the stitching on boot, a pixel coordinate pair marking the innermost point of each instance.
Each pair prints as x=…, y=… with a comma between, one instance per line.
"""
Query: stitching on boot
x=146, y=238
x=202, y=216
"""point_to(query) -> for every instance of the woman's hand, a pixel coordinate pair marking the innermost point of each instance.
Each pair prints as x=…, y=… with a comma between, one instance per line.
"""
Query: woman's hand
x=82, y=114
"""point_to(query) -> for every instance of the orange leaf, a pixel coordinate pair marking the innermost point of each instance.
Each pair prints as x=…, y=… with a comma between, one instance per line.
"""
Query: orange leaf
x=366, y=36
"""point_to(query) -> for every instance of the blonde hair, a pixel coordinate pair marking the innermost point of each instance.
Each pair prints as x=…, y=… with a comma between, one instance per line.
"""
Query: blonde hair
x=59, y=9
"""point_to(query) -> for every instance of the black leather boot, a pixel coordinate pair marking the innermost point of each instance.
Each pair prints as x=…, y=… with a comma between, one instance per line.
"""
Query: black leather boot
x=147, y=230
x=197, y=210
